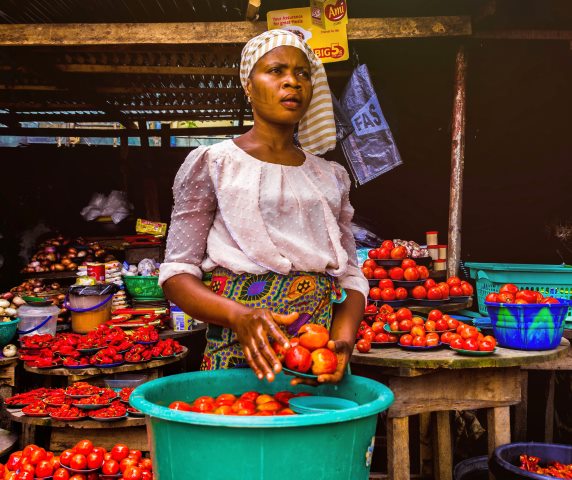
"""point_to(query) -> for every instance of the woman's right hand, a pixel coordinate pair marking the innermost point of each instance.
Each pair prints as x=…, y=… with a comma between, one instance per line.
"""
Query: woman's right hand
x=252, y=329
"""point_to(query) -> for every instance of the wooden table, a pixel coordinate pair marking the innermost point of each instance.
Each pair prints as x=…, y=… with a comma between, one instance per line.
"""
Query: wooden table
x=66, y=434
x=7, y=375
x=440, y=381
x=152, y=367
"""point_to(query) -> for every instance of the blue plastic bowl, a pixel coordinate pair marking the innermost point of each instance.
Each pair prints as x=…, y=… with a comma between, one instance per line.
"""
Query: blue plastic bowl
x=528, y=327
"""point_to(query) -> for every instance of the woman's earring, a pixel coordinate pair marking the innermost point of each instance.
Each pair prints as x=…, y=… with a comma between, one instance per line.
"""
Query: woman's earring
x=248, y=98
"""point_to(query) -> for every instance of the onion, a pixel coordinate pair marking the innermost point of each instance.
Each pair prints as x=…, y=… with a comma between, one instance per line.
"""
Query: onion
x=59, y=267
x=11, y=312
x=7, y=296
x=9, y=350
x=4, y=303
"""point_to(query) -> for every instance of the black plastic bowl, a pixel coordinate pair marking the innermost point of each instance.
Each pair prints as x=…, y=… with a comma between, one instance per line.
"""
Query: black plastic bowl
x=476, y=468
x=505, y=461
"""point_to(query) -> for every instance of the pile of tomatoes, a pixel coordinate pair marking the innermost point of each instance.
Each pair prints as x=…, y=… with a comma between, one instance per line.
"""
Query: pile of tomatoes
x=308, y=351
x=388, y=250
x=82, y=462
x=510, y=293
x=248, y=404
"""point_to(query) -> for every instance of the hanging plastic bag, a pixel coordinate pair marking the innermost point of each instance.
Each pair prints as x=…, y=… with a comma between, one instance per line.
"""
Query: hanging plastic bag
x=370, y=150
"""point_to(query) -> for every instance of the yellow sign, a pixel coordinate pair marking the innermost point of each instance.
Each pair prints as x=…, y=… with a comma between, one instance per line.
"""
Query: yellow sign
x=326, y=34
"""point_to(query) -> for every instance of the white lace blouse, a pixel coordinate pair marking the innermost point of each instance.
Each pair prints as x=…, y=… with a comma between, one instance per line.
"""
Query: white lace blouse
x=248, y=216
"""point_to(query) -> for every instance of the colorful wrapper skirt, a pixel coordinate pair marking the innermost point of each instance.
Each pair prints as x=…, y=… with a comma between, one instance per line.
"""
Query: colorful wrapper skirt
x=310, y=294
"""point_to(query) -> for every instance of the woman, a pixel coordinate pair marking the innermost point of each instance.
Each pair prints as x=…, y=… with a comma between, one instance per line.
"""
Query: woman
x=271, y=221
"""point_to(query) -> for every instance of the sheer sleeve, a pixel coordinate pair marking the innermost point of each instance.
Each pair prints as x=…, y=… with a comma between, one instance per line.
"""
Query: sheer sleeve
x=353, y=279
x=191, y=219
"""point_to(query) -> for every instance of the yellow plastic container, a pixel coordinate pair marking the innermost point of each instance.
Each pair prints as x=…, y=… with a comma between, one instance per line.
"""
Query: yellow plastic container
x=90, y=306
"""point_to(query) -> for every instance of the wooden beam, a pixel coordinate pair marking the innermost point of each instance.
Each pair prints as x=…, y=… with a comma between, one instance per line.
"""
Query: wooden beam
x=215, y=32
x=148, y=113
x=252, y=10
x=146, y=69
x=104, y=133
x=565, y=35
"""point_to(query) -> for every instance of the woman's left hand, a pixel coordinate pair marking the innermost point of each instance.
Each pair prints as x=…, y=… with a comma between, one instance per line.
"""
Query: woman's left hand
x=344, y=352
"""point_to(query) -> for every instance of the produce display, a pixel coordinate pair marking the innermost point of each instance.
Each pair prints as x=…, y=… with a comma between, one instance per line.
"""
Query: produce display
x=48, y=291
x=82, y=462
x=60, y=254
x=308, y=351
x=249, y=404
x=105, y=346
x=398, y=250
x=9, y=304
x=530, y=463
x=510, y=293
x=401, y=328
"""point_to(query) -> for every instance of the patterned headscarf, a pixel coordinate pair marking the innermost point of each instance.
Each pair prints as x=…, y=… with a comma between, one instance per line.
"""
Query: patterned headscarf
x=317, y=128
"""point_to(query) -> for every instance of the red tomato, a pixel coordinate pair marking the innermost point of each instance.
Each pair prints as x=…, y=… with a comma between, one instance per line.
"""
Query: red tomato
x=455, y=291
x=368, y=335
x=367, y=272
x=444, y=289
x=446, y=337
x=126, y=463
x=400, y=293
x=404, y=314
x=66, y=456
x=380, y=273
x=110, y=467
x=94, y=460
x=176, y=405
x=299, y=359
x=467, y=288
x=369, y=263
x=146, y=462
x=452, y=323
x=430, y=325
x=84, y=447
x=419, y=292
x=228, y=398
x=506, y=297
x=423, y=272
x=147, y=475
x=381, y=337
x=363, y=346
x=377, y=327
x=383, y=253
x=313, y=336
x=453, y=281
x=549, y=300
x=28, y=468
x=372, y=253
x=396, y=273
x=435, y=315
x=252, y=396
x=78, y=462
x=429, y=283
x=394, y=326
x=99, y=450
x=434, y=293
x=398, y=253
x=405, y=325
x=61, y=474
x=132, y=473
x=119, y=452
x=324, y=361
x=406, y=339
x=490, y=339
x=418, y=321
x=492, y=297
x=408, y=263
x=54, y=462
x=78, y=476
x=44, y=469
x=457, y=343
x=419, y=341
x=386, y=309
x=417, y=331
x=469, y=332
x=470, y=344
x=385, y=283
x=25, y=475
x=433, y=339
x=371, y=308
x=509, y=288
x=411, y=274
x=387, y=244
x=527, y=295
x=388, y=294
x=441, y=325
x=485, y=346
x=375, y=293
x=29, y=449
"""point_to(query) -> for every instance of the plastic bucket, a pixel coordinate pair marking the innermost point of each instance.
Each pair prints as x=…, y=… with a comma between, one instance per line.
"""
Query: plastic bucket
x=476, y=468
x=528, y=327
x=36, y=320
x=7, y=331
x=505, y=461
x=90, y=306
x=335, y=445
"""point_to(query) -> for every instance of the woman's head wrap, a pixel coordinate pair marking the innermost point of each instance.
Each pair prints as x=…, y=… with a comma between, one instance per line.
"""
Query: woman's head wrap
x=317, y=128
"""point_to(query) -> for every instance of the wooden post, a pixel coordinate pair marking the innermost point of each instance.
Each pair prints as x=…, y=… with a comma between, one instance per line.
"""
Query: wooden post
x=457, y=163
x=425, y=445
x=398, y=448
x=521, y=410
x=549, y=413
x=498, y=426
x=443, y=453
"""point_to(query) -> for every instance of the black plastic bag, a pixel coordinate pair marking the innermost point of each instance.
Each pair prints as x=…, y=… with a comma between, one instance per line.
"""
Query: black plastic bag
x=370, y=150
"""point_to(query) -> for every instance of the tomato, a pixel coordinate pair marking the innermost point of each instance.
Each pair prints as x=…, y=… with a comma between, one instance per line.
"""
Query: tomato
x=381, y=337
x=457, y=343
x=377, y=327
x=176, y=405
x=446, y=337
x=28, y=467
x=527, y=295
x=324, y=361
x=423, y=272
x=441, y=325
x=509, y=288
x=375, y=293
x=367, y=272
x=549, y=300
x=386, y=309
x=226, y=398
x=387, y=244
x=405, y=325
x=84, y=447
x=380, y=273
x=429, y=283
x=223, y=410
x=430, y=325
x=417, y=331
x=471, y=344
x=252, y=396
x=29, y=449
x=363, y=346
x=110, y=467
x=61, y=474
x=146, y=475
x=419, y=341
x=78, y=476
x=467, y=288
x=54, y=462
x=368, y=335
x=453, y=281
x=410, y=274
x=452, y=323
x=388, y=294
x=132, y=473
x=78, y=462
x=126, y=463
x=385, y=283
x=539, y=297
x=299, y=359
x=444, y=289
x=485, y=346
x=37, y=456
x=25, y=475
x=404, y=314
x=408, y=263
x=119, y=452
x=469, y=332
x=435, y=315
x=455, y=291
x=434, y=293
x=398, y=253
x=383, y=253
x=400, y=293
x=419, y=292
x=506, y=297
x=418, y=321
x=492, y=297
x=94, y=460
x=406, y=339
x=394, y=326
x=44, y=469
x=107, y=456
x=313, y=336
x=146, y=464
x=396, y=273
x=372, y=253
x=433, y=337
x=371, y=308
x=369, y=263
x=66, y=456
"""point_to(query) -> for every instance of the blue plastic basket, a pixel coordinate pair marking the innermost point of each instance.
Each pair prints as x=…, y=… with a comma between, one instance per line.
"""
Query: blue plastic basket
x=550, y=280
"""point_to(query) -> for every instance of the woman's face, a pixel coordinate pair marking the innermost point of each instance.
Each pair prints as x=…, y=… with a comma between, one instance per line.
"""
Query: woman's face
x=280, y=87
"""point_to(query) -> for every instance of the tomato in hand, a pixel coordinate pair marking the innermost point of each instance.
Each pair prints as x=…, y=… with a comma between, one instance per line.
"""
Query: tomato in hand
x=313, y=336
x=298, y=358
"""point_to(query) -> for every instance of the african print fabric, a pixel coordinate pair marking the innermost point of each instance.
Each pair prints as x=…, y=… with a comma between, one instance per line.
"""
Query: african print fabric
x=310, y=294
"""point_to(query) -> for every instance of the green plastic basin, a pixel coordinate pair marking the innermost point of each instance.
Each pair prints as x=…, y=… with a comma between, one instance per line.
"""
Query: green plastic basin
x=334, y=445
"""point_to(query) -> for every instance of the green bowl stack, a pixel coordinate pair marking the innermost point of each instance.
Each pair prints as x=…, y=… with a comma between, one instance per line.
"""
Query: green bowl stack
x=143, y=288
